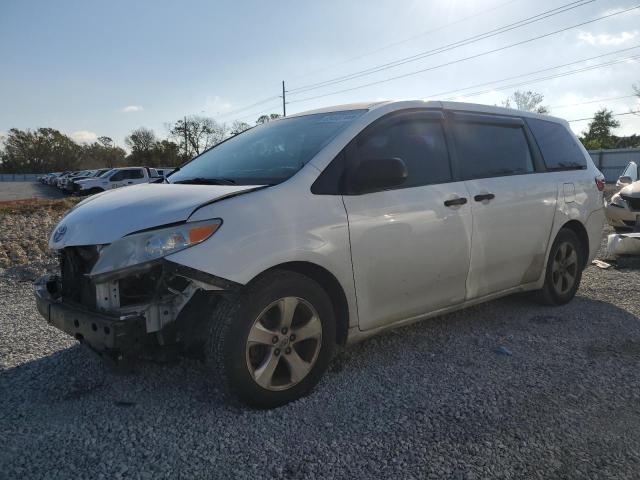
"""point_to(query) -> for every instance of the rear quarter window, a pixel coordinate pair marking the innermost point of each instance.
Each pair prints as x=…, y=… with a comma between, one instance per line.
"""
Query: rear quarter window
x=559, y=149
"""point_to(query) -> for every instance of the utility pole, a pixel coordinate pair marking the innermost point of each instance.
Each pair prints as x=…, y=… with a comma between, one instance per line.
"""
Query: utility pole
x=284, y=101
x=186, y=147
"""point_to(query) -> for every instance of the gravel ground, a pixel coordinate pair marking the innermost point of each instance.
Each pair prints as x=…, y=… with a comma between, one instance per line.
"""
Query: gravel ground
x=433, y=400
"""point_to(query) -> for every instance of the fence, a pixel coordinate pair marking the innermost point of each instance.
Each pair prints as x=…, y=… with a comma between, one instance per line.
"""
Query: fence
x=612, y=162
x=19, y=177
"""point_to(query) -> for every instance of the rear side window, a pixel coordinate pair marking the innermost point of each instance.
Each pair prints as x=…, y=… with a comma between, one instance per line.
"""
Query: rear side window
x=419, y=143
x=133, y=174
x=488, y=150
x=558, y=147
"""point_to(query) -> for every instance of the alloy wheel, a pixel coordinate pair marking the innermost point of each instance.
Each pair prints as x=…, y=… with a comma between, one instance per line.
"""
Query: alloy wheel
x=564, y=270
x=283, y=343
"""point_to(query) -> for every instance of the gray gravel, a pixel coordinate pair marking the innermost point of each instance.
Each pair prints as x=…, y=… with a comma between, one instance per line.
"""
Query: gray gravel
x=25, y=190
x=434, y=400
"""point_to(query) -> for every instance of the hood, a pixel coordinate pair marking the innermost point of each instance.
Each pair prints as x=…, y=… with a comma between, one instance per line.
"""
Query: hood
x=631, y=190
x=108, y=216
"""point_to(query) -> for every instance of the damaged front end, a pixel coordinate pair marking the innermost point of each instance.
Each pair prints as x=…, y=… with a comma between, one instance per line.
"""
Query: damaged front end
x=125, y=311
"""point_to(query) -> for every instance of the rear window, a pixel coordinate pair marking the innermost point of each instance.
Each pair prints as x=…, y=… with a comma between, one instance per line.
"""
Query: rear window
x=487, y=150
x=559, y=149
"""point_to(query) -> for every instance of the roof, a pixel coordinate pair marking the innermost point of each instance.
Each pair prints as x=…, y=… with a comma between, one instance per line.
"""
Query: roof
x=341, y=108
x=469, y=107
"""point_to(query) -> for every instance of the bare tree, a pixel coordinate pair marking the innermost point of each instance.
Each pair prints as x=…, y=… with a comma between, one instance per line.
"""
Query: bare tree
x=528, y=101
x=195, y=134
x=238, y=127
x=141, y=140
x=106, y=142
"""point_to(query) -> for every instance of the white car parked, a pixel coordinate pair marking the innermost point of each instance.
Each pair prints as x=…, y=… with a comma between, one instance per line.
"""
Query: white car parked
x=115, y=178
x=325, y=228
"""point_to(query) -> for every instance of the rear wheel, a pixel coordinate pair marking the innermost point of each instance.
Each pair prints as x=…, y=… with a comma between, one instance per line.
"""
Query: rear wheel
x=271, y=345
x=564, y=269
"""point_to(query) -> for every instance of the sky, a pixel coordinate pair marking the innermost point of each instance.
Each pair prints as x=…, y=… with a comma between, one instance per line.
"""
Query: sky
x=92, y=68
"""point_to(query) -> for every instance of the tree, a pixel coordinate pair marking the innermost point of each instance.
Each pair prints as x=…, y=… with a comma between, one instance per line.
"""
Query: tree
x=101, y=154
x=142, y=142
x=166, y=154
x=238, y=127
x=106, y=142
x=527, y=101
x=195, y=134
x=267, y=118
x=37, y=151
x=598, y=134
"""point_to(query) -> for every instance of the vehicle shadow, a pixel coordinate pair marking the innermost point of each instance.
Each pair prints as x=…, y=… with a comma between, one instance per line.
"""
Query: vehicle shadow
x=47, y=191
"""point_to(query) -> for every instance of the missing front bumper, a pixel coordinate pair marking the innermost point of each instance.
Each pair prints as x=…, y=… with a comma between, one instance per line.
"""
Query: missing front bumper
x=104, y=333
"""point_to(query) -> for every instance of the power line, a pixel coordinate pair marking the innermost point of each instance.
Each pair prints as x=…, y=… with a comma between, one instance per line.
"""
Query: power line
x=445, y=48
x=551, y=77
x=477, y=85
x=385, y=47
x=389, y=79
x=238, y=110
x=613, y=115
x=257, y=114
x=609, y=99
x=408, y=39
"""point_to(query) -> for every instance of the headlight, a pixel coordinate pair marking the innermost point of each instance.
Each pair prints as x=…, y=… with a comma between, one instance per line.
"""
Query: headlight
x=154, y=244
x=618, y=201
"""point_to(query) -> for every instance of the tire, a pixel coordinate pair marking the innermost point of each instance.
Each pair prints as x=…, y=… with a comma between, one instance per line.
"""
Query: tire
x=262, y=373
x=95, y=190
x=564, y=269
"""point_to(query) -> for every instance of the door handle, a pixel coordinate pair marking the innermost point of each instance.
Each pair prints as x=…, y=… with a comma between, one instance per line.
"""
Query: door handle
x=484, y=196
x=455, y=202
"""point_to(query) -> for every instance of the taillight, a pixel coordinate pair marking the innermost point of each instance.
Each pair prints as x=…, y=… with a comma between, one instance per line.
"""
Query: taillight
x=600, y=183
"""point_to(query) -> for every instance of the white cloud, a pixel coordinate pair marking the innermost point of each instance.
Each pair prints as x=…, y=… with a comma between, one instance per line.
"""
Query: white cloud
x=84, y=136
x=606, y=39
x=132, y=108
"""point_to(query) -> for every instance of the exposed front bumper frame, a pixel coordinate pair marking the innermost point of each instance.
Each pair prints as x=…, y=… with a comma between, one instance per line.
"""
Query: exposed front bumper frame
x=102, y=332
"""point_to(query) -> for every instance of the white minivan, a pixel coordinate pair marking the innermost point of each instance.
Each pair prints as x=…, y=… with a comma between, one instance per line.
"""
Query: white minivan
x=324, y=228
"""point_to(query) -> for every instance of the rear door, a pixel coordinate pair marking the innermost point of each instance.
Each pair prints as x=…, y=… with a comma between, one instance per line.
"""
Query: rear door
x=513, y=206
x=410, y=245
x=135, y=176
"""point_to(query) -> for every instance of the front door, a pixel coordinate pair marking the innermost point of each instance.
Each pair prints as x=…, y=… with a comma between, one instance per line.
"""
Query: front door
x=410, y=246
x=512, y=205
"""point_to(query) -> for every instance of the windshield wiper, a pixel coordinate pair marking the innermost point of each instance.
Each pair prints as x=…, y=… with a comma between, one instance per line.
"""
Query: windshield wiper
x=207, y=181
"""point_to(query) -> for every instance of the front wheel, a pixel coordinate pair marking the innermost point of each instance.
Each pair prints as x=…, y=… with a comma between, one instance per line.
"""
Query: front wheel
x=564, y=269
x=271, y=344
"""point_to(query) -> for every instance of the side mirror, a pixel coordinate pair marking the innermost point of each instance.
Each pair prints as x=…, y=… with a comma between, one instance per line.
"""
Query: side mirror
x=625, y=180
x=375, y=174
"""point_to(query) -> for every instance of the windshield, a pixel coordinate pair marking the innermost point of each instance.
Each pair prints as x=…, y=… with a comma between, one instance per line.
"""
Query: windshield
x=104, y=174
x=268, y=154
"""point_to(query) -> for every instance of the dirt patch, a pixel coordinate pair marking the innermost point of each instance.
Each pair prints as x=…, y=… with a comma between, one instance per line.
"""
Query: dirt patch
x=25, y=227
